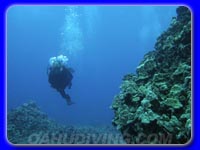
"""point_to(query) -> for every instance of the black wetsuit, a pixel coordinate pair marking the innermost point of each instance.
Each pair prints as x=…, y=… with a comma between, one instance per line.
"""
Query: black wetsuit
x=60, y=78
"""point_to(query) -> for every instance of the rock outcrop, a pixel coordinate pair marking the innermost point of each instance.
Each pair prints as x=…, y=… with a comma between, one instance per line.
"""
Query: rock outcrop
x=27, y=124
x=154, y=105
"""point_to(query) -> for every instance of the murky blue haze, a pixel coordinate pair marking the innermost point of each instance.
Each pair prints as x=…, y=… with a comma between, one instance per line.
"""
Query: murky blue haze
x=103, y=43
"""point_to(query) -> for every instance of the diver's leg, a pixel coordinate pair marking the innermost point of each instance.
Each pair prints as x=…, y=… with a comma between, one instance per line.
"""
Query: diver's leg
x=66, y=97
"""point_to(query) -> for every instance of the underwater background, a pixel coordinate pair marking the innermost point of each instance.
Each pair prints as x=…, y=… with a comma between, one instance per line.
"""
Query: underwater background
x=103, y=43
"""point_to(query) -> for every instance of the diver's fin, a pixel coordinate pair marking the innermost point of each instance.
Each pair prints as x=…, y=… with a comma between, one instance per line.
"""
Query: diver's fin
x=70, y=102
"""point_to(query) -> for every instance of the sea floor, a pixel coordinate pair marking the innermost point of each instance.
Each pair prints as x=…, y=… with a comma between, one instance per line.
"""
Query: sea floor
x=27, y=124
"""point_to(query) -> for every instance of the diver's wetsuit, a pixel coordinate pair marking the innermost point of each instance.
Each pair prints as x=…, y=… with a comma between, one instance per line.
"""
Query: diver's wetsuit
x=60, y=78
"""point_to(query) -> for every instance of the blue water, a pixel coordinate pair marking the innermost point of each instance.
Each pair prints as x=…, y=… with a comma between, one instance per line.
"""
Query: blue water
x=103, y=43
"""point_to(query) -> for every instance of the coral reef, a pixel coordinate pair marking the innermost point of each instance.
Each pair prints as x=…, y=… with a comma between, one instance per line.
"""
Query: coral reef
x=154, y=106
x=25, y=120
x=27, y=124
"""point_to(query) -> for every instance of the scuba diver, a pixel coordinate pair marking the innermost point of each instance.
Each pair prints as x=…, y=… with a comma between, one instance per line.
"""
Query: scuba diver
x=60, y=76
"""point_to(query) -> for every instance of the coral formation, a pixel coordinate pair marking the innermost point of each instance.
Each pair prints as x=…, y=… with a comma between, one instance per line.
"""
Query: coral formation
x=28, y=125
x=25, y=120
x=154, y=106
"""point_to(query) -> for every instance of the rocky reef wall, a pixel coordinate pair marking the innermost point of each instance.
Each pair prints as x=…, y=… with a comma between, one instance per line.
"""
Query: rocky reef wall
x=154, y=105
x=27, y=124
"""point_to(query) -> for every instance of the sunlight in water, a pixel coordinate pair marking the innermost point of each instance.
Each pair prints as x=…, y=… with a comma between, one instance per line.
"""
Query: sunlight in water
x=71, y=34
x=91, y=20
